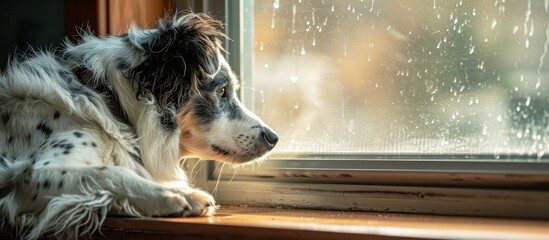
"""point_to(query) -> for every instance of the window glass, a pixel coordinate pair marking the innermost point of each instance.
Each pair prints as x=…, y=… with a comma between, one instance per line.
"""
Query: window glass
x=396, y=76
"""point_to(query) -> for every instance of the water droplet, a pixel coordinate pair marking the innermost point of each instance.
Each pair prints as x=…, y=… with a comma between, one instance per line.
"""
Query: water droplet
x=519, y=135
x=498, y=118
x=302, y=50
x=527, y=103
x=266, y=65
x=276, y=4
x=296, y=106
x=261, y=46
x=494, y=23
x=472, y=50
x=515, y=29
x=294, y=78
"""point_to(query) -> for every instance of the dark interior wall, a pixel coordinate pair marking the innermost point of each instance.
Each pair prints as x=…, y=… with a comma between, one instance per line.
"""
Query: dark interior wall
x=24, y=23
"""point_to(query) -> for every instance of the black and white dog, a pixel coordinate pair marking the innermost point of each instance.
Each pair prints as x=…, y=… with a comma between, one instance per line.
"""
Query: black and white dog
x=99, y=128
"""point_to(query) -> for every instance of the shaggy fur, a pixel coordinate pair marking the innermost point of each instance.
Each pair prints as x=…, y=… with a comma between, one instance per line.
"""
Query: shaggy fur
x=99, y=127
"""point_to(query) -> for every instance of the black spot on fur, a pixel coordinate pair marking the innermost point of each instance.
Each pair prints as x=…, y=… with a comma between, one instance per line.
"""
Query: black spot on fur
x=60, y=184
x=63, y=172
x=3, y=162
x=28, y=137
x=69, y=146
x=56, y=115
x=136, y=157
x=42, y=127
x=220, y=150
x=34, y=197
x=46, y=163
x=66, y=75
x=93, y=144
x=168, y=120
x=46, y=184
x=10, y=139
x=66, y=152
x=78, y=134
x=84, y=143
x=6, y=118
x=102, y=168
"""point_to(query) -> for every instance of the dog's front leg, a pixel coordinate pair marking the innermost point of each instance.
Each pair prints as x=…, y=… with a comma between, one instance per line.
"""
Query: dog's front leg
x=57, y=196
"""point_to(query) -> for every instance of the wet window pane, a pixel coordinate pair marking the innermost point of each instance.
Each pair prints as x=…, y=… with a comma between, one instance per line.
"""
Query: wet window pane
x=422, y=76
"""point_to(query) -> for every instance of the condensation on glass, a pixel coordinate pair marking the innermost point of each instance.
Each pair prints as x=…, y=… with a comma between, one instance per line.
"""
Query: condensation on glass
x=401, y=76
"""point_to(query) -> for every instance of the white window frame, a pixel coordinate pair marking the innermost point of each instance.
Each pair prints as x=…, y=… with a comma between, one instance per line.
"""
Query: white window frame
x=453, y=184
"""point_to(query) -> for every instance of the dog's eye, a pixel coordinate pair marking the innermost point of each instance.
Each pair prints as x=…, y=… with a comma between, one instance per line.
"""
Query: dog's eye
x=221, y=92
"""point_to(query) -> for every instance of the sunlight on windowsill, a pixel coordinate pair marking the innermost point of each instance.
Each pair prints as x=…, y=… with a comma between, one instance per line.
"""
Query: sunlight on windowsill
x=234, y=222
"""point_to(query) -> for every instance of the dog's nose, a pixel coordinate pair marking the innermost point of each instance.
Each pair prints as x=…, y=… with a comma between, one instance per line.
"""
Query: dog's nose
x=270, y=137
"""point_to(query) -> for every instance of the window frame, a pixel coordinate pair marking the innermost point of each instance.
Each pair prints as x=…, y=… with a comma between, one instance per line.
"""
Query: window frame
x=449, y=184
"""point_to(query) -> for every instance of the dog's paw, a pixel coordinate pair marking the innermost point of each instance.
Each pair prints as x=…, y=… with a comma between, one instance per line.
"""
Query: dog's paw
x=199, y=203
x=203, y=204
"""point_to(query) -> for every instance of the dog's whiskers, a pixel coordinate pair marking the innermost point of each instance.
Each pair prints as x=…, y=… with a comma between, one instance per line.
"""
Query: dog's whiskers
x=214, y=192
x=234, y=174
x=202, y=164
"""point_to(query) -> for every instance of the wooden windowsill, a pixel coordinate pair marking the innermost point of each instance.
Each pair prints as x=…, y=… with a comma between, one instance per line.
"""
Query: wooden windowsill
x=272, y=223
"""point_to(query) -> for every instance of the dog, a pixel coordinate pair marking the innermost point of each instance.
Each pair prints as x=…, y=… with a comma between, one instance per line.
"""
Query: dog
x=99, y=127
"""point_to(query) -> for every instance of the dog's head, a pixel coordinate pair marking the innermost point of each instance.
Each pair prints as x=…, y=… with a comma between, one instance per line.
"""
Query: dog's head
x=196, y=91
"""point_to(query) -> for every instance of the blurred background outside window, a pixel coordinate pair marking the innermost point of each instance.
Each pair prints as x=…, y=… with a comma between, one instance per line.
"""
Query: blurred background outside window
x=404, y=77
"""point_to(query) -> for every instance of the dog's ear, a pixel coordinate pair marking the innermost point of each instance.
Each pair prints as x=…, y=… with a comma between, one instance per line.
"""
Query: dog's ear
x=178, y=54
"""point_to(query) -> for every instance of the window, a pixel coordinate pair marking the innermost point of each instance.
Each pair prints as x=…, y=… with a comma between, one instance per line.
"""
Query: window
x=409, y=106
x=403, y=77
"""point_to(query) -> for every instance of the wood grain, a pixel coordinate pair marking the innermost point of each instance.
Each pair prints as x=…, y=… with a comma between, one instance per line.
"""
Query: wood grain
x=269, y=223
x=122, y=13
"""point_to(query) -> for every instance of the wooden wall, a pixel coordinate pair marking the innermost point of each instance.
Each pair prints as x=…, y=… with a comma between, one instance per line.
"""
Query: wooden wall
x=107, y=17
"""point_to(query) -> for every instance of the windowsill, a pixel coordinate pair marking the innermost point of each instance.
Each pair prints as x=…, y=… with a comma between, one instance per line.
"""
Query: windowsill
x=273, y=223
